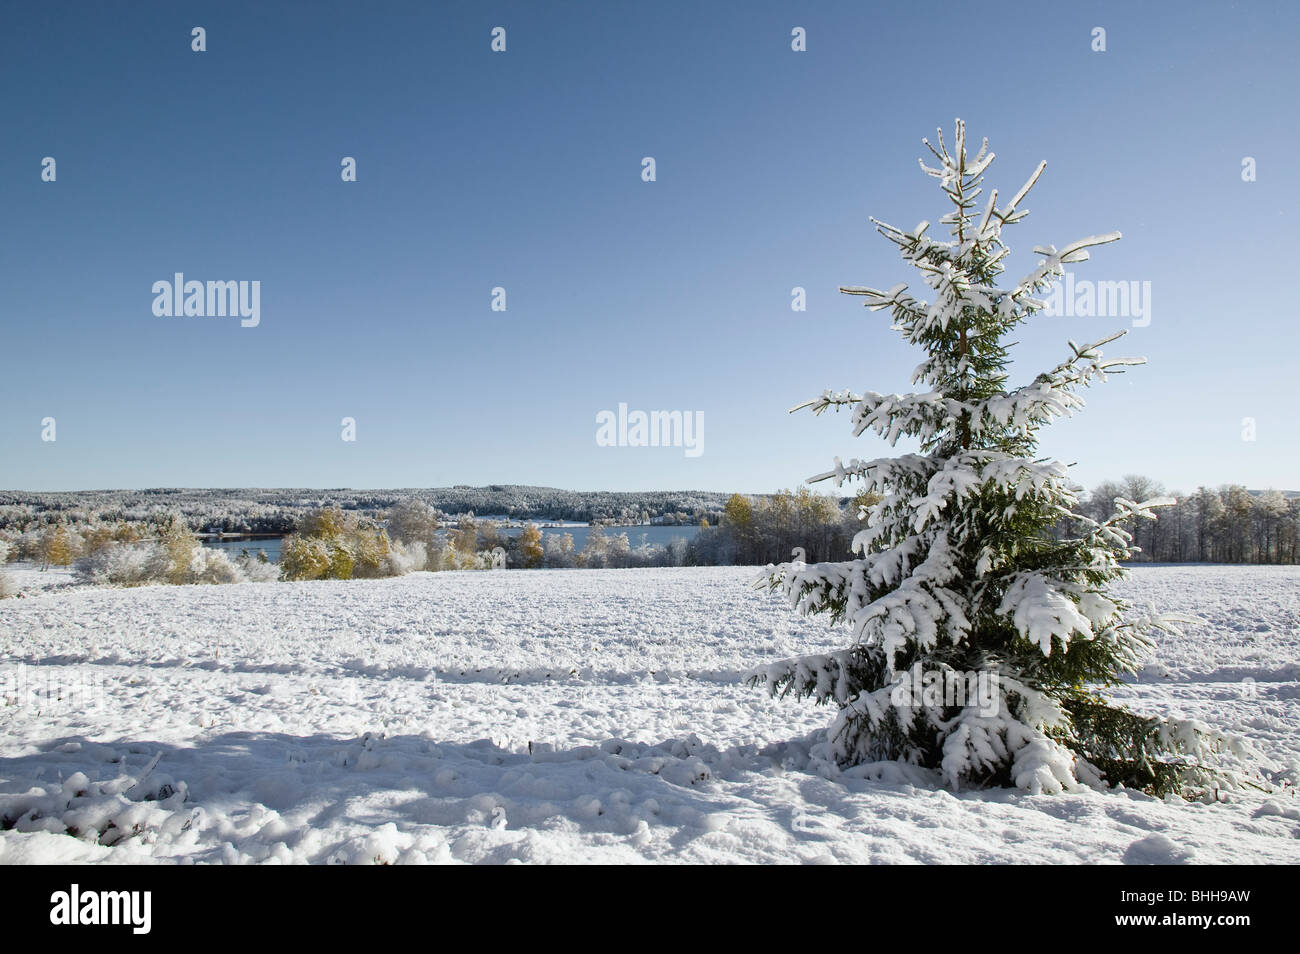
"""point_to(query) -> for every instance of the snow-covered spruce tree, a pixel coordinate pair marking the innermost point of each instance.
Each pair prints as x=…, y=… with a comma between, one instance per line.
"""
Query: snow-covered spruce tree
x=964, y=578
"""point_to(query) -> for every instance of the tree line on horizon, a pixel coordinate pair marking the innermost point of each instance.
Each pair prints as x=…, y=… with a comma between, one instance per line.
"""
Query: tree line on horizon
x=1228, y=524
x=278, y=511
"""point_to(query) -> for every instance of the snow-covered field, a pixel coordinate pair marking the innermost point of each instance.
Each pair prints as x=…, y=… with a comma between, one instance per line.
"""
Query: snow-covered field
x=391, y=721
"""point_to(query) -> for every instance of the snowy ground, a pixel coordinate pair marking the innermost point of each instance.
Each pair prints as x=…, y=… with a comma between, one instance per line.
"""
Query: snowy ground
x=390, y=721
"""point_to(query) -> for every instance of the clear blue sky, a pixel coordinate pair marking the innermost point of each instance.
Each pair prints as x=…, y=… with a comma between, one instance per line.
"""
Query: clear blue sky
x=523, y=170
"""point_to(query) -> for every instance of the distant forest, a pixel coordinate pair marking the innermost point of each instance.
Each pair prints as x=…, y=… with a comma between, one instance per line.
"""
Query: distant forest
x=1228, y=524
x=279, y=510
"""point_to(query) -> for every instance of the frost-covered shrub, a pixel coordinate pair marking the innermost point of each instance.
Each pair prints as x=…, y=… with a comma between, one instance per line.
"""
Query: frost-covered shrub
x=4, y=551
x=442, y=556
x=327, y=523
x=529, y=544
x=465, y=537
x=257, y=570
x=405, y=558
x=334, y=544
x=305, y=558
x=597, y=547
x=209, y=565
x=558, y=549
x=7, y=585
x=445, y=555
x=28, y=546
x=58, y=546
x=369, y=551
x=97, y=536
x=314, y=558
x=481, y=560
x=341, y=562
x=175, y=557
x=126, y=564
x=412, y=521
x=181, y=547
x=460, y=560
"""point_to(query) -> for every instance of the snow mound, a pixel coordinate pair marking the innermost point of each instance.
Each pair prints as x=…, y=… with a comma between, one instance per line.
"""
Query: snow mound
x=1157, y=850
x=136, y=805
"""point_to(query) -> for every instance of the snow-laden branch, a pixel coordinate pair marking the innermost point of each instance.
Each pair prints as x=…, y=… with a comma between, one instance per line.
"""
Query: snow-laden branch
x=1052, y=265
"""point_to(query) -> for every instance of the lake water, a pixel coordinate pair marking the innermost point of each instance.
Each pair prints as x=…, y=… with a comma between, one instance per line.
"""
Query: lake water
x=234, y=545
x=655, y=536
